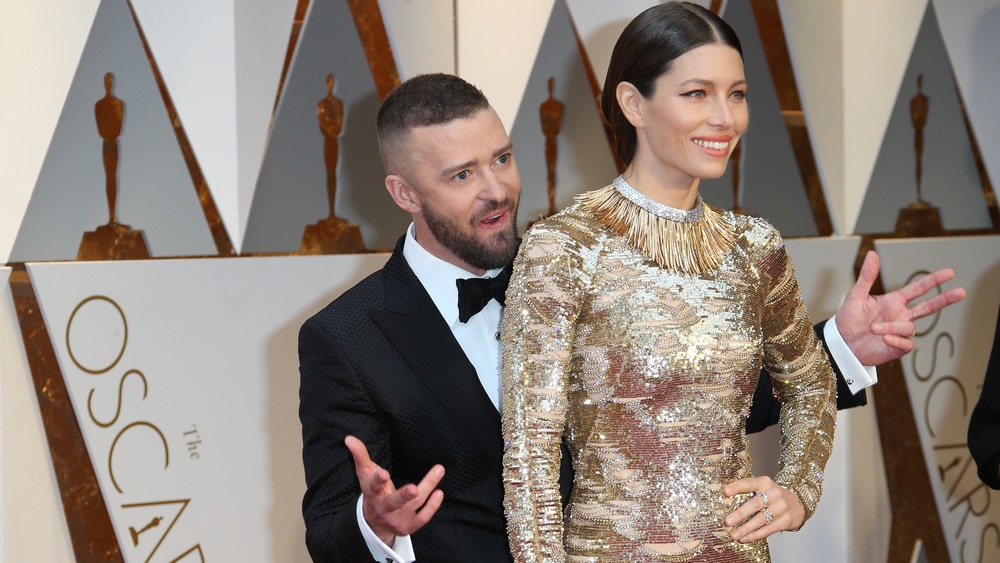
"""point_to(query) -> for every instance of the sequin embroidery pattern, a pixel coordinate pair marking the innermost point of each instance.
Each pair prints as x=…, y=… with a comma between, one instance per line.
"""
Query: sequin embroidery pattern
x=647, y=364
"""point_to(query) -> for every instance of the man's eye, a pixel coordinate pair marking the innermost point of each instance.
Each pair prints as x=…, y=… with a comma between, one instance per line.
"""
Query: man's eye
x=463, y=175
x=504, y=158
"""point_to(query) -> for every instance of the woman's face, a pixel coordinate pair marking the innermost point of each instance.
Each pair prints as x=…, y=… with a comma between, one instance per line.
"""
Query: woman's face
x=698, y=111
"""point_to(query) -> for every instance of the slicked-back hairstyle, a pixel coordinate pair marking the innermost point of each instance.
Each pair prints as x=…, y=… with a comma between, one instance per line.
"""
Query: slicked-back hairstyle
x=647, y=49
x=426, y=99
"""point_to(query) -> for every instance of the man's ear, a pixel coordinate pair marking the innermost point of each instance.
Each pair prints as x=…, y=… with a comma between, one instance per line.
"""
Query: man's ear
x=629, y=99
x=402, y=193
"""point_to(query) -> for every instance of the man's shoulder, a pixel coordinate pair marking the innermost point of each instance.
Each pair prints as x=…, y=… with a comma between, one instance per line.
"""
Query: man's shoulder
x=367, y=294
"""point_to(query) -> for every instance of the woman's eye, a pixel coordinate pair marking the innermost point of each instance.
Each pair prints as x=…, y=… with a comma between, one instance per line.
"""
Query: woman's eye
x=739, y=94
x=695, y=94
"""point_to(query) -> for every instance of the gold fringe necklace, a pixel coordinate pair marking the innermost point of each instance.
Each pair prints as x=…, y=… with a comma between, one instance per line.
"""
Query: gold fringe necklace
x=693, y=242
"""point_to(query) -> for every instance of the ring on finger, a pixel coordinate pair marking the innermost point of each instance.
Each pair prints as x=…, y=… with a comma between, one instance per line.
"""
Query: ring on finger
x=768, y=516
x=763, y=497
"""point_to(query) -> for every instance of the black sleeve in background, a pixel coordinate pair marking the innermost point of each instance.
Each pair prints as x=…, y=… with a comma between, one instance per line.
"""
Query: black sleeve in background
x=984, y=425
x=765, y=409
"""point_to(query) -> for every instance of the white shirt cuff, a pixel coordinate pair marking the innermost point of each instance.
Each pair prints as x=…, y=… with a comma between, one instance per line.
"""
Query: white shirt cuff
x=401, y=550
x=856, y=375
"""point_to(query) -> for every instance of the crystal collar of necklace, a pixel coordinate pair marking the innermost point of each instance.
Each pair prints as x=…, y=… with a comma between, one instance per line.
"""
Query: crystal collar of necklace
x=657, y=208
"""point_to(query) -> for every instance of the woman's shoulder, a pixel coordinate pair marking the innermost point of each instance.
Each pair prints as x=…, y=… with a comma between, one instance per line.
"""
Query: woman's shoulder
x=755, y=232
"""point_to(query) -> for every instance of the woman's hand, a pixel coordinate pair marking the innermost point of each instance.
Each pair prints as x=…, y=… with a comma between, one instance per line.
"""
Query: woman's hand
x=771, y=508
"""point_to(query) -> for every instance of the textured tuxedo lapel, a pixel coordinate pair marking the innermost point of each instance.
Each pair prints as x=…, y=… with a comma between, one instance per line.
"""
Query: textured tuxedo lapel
x=412, y=323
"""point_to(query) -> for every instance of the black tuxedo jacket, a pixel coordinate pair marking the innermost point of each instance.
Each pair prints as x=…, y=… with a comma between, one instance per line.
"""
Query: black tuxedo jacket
x=381, y=364
x=984, y=426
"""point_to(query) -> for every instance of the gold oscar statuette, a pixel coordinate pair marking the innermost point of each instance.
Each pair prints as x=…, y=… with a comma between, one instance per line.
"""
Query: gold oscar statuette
x=113, y=241
x=920, y=218
x=551, y=115
x=331, y=235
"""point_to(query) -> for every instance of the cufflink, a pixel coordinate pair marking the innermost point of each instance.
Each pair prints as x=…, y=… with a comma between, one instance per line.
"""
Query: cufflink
x=850, y=381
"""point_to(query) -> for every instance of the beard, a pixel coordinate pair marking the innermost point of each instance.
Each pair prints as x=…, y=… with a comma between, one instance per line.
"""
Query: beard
x=495, y=252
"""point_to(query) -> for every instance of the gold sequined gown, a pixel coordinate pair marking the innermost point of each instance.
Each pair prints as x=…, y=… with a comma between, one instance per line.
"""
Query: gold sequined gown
x=638, y=332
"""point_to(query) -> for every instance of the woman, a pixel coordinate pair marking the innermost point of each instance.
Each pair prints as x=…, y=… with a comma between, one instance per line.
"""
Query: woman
x=637, y=324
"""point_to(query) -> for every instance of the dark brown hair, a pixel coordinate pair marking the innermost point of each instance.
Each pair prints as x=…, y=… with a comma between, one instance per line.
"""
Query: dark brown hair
x=426, y=99
x=647, y=49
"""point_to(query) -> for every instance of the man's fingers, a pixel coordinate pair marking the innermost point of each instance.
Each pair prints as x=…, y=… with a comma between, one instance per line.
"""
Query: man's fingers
x=409, y=508
x=899, y=328
x=921, y=286
x=936, y=303
x=430, y=481
x=868, y=274
x=417, y=494
x=400, y=497
x=372, y=479
x=359, y=452
x=903, y=344
x=428, y=511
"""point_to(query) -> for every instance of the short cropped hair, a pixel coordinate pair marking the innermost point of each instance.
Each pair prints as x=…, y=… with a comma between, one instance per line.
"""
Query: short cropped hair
x=426, y=99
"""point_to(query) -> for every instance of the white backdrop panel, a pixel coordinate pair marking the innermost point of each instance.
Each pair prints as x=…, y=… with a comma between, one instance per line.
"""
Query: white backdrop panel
x=32, y=93
x=490, y=59
x=873, y=71
x=944, y=375
x=184, y=376
x=194, y=42
x=599, y=24
x=814, y=31
x=31, y=516
x=969, y=30
x=422, y=35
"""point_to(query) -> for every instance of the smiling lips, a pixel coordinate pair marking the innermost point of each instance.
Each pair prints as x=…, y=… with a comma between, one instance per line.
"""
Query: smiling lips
x=713, y=145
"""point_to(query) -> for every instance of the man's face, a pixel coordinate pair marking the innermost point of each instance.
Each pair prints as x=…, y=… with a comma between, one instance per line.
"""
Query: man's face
x=464, y=187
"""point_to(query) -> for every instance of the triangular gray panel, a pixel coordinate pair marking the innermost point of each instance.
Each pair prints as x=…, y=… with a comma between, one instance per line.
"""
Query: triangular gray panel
x=291, y=192
x=771, y=184
x=950, y=181
x=155, y=192
x=585, y=159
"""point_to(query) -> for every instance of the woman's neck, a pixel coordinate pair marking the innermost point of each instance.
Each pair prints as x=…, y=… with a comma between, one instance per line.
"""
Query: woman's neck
x=679, y=193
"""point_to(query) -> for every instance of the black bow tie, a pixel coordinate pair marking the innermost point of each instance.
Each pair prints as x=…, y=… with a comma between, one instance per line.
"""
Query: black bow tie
x=475, y=293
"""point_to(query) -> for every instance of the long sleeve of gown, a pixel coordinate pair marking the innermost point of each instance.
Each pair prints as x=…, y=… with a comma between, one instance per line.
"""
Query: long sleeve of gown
x=803, y=380
x=543, y=302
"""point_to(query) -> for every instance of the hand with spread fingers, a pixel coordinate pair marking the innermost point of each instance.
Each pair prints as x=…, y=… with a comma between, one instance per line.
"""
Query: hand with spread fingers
x=389, y=511
x=879, y=328
x=771, y=508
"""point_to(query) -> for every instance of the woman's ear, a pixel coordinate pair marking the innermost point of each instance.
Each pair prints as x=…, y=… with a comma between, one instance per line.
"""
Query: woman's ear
x=402, y=193
x=629, y=99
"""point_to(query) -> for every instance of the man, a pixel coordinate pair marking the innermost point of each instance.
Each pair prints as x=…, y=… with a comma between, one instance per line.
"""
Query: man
x=395, y=364
x=984, y=425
